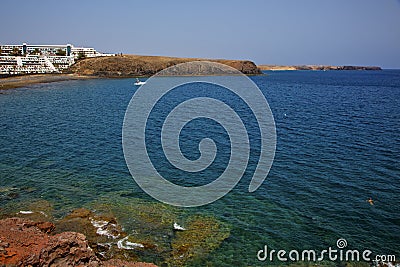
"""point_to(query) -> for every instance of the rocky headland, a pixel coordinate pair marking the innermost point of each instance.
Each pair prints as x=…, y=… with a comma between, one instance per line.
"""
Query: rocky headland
x=134, y=65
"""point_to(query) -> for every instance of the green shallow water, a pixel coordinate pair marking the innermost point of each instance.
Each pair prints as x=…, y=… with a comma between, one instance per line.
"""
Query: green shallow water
x=338, y=145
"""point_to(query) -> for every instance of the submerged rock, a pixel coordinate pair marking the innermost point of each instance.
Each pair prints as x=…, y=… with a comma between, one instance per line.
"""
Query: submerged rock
x=36, y=210
x=152, y=232
x=201, y=236
x=102, y=232
x=120, y=263
x=161, y=233
x=105, y=235
x=92, y=225
x=12, y=193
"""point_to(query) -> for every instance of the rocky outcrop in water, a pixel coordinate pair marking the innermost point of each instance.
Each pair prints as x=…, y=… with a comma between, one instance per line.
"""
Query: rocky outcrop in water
x=27, y=243
x=151, y=232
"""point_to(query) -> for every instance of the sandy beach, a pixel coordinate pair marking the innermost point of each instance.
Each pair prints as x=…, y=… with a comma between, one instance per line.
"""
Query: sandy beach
x=25, y=80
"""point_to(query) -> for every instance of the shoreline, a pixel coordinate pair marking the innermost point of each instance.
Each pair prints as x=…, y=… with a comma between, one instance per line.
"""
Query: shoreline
x=18, y=81
x=26, y=80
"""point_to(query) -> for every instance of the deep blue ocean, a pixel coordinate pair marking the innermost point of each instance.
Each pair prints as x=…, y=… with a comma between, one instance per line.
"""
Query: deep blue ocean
x=338, y=144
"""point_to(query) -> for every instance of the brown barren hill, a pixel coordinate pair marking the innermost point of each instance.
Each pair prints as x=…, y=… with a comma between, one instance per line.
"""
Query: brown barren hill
x=134, y=65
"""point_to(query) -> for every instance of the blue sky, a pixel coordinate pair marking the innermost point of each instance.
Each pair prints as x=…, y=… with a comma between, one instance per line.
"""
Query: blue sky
x=335, y=32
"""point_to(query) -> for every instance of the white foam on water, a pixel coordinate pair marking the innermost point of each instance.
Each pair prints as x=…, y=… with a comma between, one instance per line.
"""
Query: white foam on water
x=99, y=223
x=178, y=227
x=125, y=244
x=101, y=228
x=25, y=212
x=41, y=212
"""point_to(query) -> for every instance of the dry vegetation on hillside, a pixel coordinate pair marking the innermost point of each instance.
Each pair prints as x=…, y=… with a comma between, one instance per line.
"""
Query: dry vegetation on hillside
x=133, y=65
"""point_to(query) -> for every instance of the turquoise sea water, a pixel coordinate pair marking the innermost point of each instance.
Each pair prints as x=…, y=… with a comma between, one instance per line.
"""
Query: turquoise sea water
x=338, y=145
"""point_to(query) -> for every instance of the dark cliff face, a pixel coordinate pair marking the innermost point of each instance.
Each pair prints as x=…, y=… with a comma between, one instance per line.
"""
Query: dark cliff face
x=245, y=66
x=132, y=66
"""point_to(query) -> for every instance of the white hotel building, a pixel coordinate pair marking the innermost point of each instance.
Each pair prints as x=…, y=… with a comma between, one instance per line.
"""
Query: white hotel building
x=17, y=59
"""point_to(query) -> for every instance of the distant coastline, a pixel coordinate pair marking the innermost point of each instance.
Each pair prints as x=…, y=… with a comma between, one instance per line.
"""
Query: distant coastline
x=316, y=67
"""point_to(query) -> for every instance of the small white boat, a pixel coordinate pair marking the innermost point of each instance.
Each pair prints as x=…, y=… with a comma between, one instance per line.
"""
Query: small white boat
x=139, y=82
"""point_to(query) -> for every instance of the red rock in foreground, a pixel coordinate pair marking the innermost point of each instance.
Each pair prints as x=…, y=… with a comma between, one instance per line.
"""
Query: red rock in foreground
x=24, y=243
